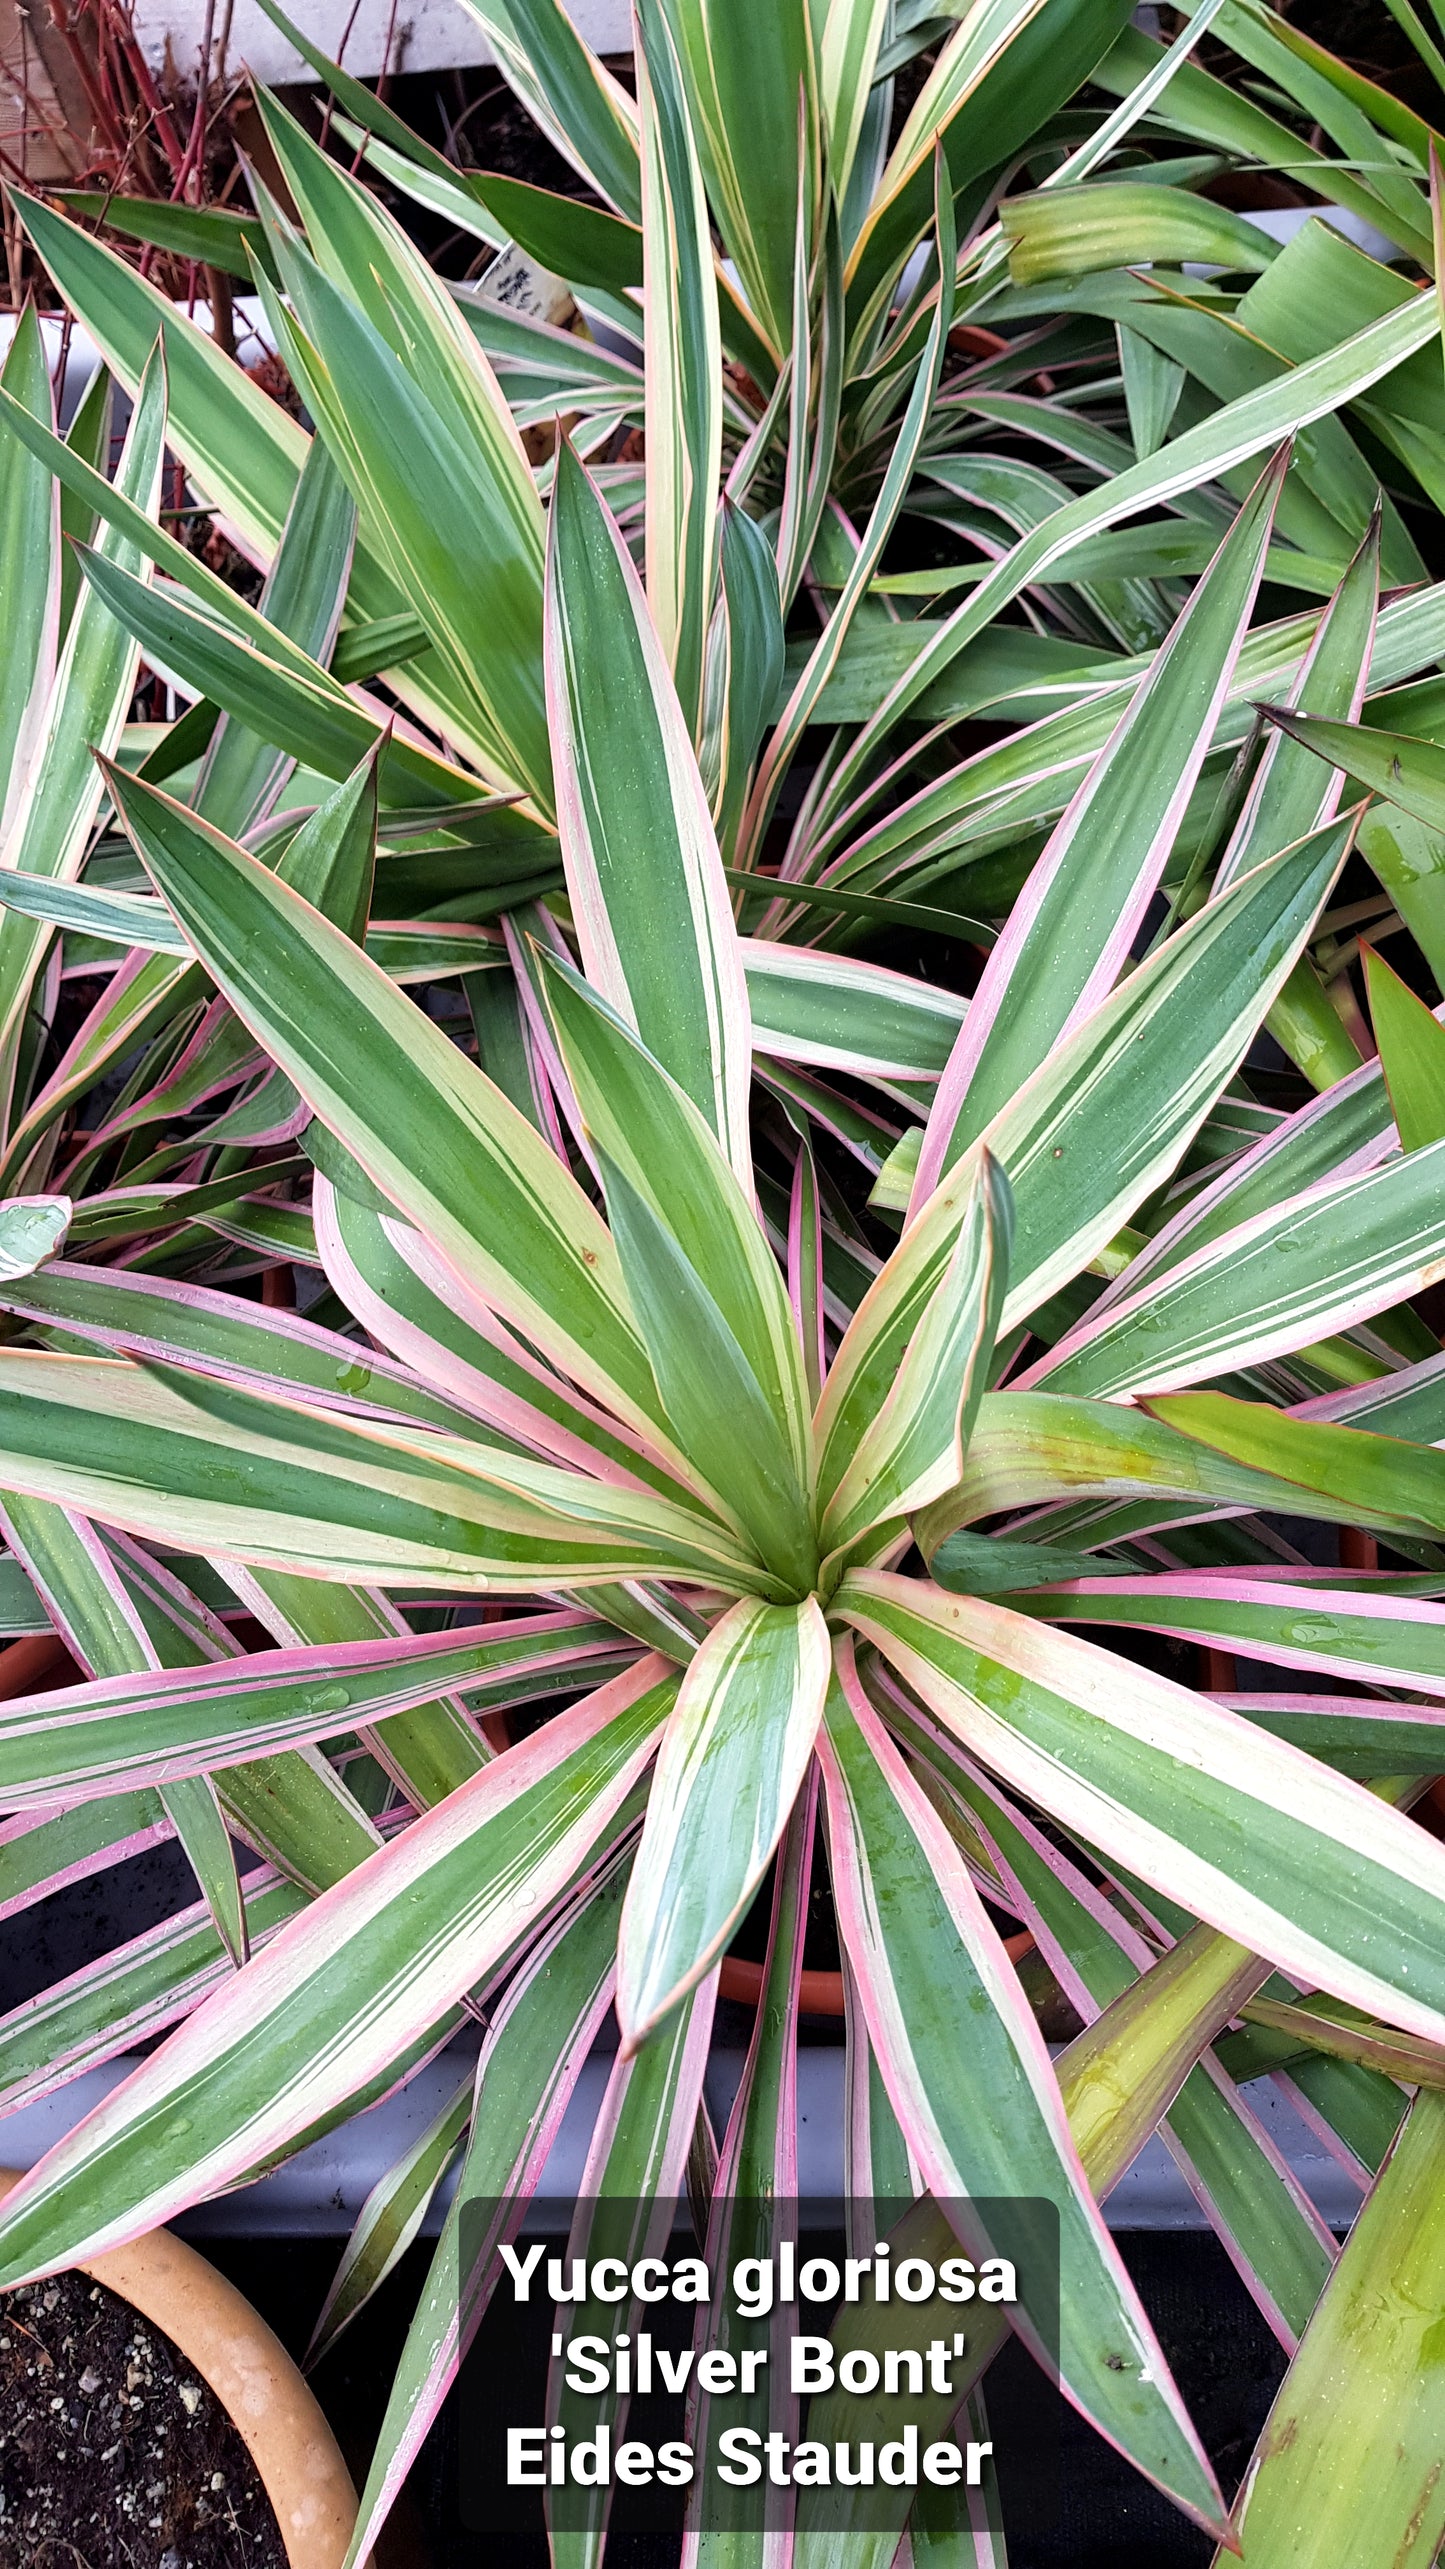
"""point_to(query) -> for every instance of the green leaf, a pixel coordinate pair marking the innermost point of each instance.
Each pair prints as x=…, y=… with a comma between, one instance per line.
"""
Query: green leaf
x=748, y=71
x=1408, y=772
x=411, y=1304
x=193, y=1808
x=636, y=2164
x=849, y=34
x=583, y=111
x=362, y=1670
x=1071, y=932
x=1067, y=232
x=303, y=597
x=30, y=566
x=986, y=1565
x=1031, y=1447
x=567, y=238
x=1379, y=1473
x=331, y=860
x=843, y=1014
x=744, y=668
x=1412, y=1054
x=211, y=234
x=242, y=448
x=445, y=493
x=1358, y=2420
x=1290, y=792
x=50, y=819
x=646, y=884
x=1244, y=428
x=729, y=1769
x=101, y=1624
x=684, y=366
x=710, y=1302
x=276, y=691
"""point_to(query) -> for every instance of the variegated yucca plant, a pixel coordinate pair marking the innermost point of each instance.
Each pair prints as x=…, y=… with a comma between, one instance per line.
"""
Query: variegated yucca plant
x=606, y=1393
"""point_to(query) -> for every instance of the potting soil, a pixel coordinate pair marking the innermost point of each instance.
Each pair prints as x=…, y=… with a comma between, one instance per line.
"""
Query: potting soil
x=114, y=2454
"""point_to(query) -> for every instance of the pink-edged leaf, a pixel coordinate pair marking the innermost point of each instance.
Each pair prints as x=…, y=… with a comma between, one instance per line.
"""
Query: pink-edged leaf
x=132, y=1993
x=433, y=1134
x=411, y=1302
x=1291, y=792
x=754, y=2191
x=1276, y=1280
x=218, y=1333
x=345, y=1988
x=627, y=2206
x=157, y=1727
x=969, y=2077
x=49, y=1850
x=536, y=2045
x=1305, y=1620
x=1265, y=2221
x=1264, y=1843
x=911, y=1450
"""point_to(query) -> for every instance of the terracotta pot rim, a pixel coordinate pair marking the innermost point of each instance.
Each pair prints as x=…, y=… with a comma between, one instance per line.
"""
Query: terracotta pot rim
x=276, y=2415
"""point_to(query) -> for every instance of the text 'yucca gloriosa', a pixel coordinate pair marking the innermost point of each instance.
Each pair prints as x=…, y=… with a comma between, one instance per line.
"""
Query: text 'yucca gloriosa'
x=601, y=1337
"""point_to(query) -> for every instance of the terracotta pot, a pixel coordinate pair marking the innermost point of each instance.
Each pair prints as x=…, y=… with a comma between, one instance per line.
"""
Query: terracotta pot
x=820, y=1993
x=278, y=2420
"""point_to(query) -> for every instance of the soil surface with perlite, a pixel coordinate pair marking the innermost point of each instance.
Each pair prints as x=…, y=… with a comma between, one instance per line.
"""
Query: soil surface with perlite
x=114, y=2454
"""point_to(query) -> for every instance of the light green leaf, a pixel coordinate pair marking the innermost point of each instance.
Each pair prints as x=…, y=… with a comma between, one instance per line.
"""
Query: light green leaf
x=1067, y=232
x=1031, y=1447
x=729, y=1769
x=31, y=1230
x=1348, y=2464
x=1412, y=1054
x=912, y=1450
x=390, y=2219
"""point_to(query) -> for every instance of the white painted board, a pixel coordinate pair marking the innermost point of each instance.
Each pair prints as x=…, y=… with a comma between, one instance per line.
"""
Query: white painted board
x=426, y=35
